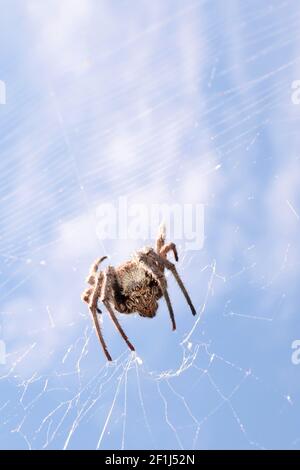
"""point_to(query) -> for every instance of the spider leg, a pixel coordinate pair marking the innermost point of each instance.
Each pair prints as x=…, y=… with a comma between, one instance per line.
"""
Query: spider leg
x=173, y=269
x=170, y=308
x=160, y=260
x=99, y=333
x=85, y=297
x=161, y=238
x=93, y=309
x=91, y=279
x=161, y=248
x=150, y=266
x=169, y=247
x=105, y=297
x=117, y=324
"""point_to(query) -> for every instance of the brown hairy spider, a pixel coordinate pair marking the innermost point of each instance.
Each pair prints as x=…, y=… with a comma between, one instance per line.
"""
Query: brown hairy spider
x=133, y=287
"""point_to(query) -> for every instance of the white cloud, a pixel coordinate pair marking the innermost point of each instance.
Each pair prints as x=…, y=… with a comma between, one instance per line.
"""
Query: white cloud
x=60, y=31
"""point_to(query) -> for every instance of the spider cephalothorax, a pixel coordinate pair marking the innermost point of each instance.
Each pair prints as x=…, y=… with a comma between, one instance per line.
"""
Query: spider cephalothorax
x=134, y=287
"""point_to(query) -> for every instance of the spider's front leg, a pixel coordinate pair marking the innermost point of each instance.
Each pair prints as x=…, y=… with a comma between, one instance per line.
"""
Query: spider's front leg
x=106, y=298
x=167, y=264
x=161, y=248
x=92, y=277
x=161, y=238
x=155, y=270
x=169, y=247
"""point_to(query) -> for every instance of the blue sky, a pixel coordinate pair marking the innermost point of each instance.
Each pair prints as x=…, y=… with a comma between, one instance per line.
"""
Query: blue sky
x=159, y=102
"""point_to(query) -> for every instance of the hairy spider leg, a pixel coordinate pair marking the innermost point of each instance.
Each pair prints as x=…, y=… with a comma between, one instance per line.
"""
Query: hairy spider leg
x=161, y=238
x=151, y=267
x=161, y=248
x=169, y=247
x=93, y=309
x=159, y=259
x=91, y=279
x=109, y=277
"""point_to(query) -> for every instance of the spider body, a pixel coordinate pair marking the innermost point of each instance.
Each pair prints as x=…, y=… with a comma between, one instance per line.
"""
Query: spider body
x=133, y=287
x=136, y=290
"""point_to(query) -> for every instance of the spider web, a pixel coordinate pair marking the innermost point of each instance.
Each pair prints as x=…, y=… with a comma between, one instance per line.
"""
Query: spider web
x=186, y=104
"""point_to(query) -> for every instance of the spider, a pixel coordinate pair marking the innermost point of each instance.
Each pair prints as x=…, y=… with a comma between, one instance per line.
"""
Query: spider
x=133, y=287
